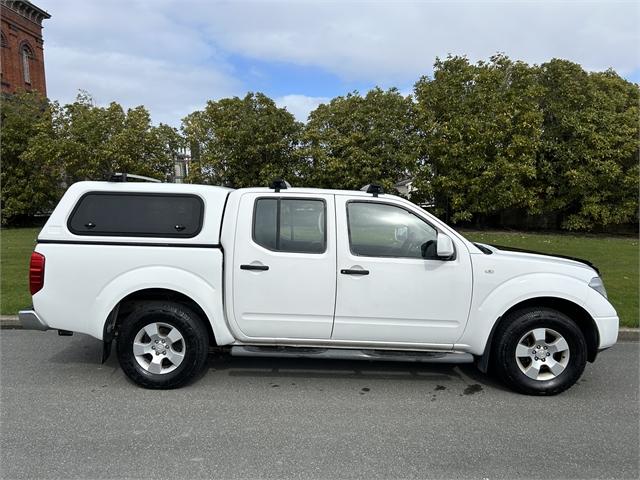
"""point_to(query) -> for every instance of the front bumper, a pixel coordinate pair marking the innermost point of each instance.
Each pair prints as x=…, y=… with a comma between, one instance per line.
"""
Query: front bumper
x=31, y=321
x=607, y=331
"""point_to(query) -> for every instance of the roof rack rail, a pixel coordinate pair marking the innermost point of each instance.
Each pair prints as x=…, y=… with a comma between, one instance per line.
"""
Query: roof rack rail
x=279, y=184
x=373, y=188
x=123, y=176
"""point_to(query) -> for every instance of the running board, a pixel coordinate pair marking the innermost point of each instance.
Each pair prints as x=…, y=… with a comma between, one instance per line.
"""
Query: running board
x=351, y=354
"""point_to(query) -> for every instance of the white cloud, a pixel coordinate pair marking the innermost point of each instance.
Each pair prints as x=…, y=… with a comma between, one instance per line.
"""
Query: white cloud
x=170, y=91
x=132, y=52
x=387, y=41
x=174, y=55
x=300, y=105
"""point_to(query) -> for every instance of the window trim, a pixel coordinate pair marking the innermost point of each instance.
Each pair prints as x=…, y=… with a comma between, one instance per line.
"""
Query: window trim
x=131, y=234
x=279, y=199
x=402, y=207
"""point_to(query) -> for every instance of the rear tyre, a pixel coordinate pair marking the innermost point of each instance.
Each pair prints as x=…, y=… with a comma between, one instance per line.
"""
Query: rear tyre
x=539, y=351
x=162, y=345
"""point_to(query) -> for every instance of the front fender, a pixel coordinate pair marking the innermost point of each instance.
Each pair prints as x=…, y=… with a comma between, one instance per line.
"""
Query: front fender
x=208, y=297
x=486, y=311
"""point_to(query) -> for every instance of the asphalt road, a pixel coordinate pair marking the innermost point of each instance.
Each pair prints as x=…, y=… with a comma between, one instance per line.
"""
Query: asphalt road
x=66, y=416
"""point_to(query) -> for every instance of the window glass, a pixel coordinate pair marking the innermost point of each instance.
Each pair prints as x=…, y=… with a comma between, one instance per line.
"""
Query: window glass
x=26, y=57
x=380, y=230
x=290, y=225
x=137, y=215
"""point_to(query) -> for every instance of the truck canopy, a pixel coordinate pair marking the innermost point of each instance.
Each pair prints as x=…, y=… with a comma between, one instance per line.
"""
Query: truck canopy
x=131, y=212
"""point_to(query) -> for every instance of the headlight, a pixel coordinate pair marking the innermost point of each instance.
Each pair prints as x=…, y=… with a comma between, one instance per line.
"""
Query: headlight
x=598, y=286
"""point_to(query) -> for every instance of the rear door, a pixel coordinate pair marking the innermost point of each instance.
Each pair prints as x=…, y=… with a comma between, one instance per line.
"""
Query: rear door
x=284, y=265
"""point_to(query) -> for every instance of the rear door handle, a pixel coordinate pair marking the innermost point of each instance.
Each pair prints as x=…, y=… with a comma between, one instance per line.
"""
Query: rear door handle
x=351, y=271
x=254, y=267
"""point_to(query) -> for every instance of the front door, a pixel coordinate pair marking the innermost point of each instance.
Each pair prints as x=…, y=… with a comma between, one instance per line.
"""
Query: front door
x=284, y=266
x=391, y=285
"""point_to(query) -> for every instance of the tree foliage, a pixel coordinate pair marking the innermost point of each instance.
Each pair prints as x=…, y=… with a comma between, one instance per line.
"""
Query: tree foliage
x=482, y=142
x=355, y=140
x=46, y=146
x=243, y=142
x=549, y=140
x=28, y=184
x=589, y=153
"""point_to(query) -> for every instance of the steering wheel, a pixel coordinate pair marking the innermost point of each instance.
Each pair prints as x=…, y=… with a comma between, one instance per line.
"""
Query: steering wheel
x=409, y=244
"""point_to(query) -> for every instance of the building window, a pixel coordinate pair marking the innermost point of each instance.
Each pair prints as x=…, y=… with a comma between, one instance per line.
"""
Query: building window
x=27, y=55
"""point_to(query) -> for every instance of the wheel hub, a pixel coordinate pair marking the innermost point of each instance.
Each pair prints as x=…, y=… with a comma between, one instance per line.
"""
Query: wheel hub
x=159, y=348
x=542, y=354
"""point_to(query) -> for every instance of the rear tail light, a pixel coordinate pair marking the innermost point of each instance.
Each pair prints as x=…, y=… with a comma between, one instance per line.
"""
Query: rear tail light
x=36, y=272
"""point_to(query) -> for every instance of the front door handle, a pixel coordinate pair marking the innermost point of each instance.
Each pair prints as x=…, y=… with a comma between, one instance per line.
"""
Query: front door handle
x=352, y=271
x=254, y=267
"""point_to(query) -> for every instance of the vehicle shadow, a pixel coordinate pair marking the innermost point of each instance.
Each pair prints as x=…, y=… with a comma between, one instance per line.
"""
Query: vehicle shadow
x=292, y=368
x=83, y=349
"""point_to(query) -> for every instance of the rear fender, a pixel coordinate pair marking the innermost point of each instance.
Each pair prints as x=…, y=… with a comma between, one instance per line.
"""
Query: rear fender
x=208, y=298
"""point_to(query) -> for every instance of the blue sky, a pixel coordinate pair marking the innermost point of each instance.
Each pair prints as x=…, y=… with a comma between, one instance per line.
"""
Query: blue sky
x=174, y=55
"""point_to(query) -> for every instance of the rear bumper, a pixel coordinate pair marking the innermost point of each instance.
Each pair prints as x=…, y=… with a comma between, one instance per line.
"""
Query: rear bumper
x=607, y=330
x=31, y=321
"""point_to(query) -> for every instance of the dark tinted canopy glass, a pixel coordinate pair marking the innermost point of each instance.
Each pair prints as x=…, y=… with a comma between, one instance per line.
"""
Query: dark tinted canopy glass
x=137, y=215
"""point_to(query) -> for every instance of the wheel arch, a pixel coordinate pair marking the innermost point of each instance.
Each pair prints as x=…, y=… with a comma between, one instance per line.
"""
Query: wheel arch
x=577, y=313
x=122, y=309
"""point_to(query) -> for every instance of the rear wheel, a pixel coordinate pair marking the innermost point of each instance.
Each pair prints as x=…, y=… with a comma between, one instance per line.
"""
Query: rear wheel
x=162, y=345
x=540, y=351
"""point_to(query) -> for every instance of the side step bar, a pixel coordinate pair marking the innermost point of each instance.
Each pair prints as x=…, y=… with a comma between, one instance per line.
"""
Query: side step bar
x=351, y=354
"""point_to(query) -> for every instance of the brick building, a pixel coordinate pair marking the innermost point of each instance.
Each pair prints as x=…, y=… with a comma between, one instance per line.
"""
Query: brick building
x=22, y=61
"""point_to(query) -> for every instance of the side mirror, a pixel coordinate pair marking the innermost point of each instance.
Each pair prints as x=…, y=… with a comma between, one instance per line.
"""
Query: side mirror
x=444, y=248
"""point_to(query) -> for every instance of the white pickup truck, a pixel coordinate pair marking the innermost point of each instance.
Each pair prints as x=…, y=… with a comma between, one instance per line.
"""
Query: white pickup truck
x=170, y=271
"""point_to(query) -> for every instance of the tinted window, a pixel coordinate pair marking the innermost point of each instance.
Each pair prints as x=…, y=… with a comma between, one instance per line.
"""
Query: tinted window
x=380, y=230
x=290, y=225
x=137, y=215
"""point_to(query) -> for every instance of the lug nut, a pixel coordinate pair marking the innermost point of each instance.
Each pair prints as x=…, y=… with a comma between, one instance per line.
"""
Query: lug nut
x=153, y=347
x=548, y=354
x=544, y=359
x=536, y=358
x=156, y=341
x=545, y=347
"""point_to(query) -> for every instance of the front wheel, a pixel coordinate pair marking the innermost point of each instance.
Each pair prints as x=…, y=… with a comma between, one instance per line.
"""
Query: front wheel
x=162, y=345
x=540, y=351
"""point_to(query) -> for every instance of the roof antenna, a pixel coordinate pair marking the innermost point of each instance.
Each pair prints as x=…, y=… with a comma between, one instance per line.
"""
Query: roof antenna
x=279, y=184
x=373, y=188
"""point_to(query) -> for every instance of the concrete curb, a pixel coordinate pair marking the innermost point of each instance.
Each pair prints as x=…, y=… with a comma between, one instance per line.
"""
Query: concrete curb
x=11, y=322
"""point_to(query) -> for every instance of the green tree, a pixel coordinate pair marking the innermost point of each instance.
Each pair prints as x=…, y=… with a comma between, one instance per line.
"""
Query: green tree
x=28, y=185
x=90, y=142
x=588, y=160
x=355, y=140
x=480, y=128
x=243, y=142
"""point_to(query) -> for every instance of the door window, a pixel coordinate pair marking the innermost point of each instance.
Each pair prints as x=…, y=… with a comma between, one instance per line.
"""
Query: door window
x=290, y=225
x=383, y=230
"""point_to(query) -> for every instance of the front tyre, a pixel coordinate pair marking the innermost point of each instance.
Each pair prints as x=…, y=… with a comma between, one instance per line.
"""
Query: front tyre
x=162, y=345
x=540, y=351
